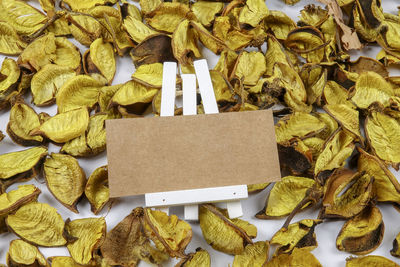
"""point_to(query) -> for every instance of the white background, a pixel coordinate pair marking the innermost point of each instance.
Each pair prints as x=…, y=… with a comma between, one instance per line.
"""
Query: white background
x=326, y=251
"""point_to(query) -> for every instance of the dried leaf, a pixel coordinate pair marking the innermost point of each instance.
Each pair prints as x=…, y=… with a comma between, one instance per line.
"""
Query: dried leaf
x=371, y=260
x=10, y=43
x=38, y=223
x=253, y=255
x=22, y=253
x=200, y=258
x=96, y=189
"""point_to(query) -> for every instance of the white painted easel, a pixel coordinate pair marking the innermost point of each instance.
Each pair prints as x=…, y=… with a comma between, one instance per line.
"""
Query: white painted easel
x=190, y=199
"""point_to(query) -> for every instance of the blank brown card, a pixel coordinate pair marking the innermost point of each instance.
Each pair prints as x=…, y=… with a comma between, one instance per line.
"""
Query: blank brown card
x=158, y=154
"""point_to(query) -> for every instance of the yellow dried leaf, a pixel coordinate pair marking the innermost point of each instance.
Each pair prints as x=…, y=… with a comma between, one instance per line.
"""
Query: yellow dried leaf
x=14, y=199
x=15, y=163
x=167, y=16
x=67, y=54
x=347, y=117
x=10, y=74
x=334, y=93
x=23, y=119
x=253, y=12
x=96, y=189
x=79, y=91
x=65, y=179
x=38, y=223
x=300, y=257
x=314, y=78
x=137, y=30
x=279, y=23
x=275, y=53
x=133, y=92
x=371, y=260
x=65, y=126
x=371, y=87
x=47, y=81
x=336, y=150
x=387, y=188
x=85, y=29
x=169, y=233
x=184, y=43
x=382, y=133
x=250, y=66
x=90, y=233
x=63, y=261
x=296, y=235
x=77, y=5
x=285, y=195
x=298, y=125
x=207, y=39
x=363, y=233
x=22, y=253
x=149, y=5
x=102, y=56
x=24, y=18
x=221, y=232
x=206, y=11
x=10, y=43
x=149, y=75
x=253, y=255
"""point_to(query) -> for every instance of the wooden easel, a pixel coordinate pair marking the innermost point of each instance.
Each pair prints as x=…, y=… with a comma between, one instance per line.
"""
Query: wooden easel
x=190, y=199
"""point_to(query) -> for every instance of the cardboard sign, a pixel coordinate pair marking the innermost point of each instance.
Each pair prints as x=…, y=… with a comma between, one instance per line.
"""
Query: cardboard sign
x=159, y=154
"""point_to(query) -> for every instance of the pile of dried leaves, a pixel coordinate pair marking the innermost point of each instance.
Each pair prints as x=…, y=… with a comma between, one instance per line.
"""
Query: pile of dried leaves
x=337, y=129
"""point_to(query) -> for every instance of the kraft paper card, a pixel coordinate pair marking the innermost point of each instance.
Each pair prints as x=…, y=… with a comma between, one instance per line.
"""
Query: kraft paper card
x=159, y=154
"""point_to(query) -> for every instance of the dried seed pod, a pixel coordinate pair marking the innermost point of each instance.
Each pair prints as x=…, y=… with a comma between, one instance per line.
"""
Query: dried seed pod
x=1, y=136
x=47, y=81
x=371, y=87
x=368, y=17
x=105, y=96
x=22, y=253
x=379, y=125
x=169, y=234
x=64, y=126
x=126, y=243
x=299, y=257
x=10, y=43
x=224, y=234
x=296, y=235
x=371, y=260
x=347, y=194
x=200, y=258
x=308, y=42
x=22, y=162
x=275, y=53
x=100, y=59
x=347, y=117
x=24, y=18
x=185, y=43
x=298, y=124
x=96, y=190
x=90, y=233
x=253, y=255
x=23, y=119
x=395, y=250
x=336, y=150
x=295, y=156
x=250, y=66
x=79, y=91
x=207, y=39
x=285, y=196
x=62, y=261
x=153, y=49
x=314, y=78
x=363, y=233
x=255, y=188
x=167, y=16
x=386, y=186
x=39, y=224
x=206, y=11
x=65, y=179
x=363, y=64
x=10, y=74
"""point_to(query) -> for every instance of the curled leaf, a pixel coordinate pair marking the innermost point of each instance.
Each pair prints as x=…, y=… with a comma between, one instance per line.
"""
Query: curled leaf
x=222, y=233
x=65, y=179
x=38, y=223
x=96, y=189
